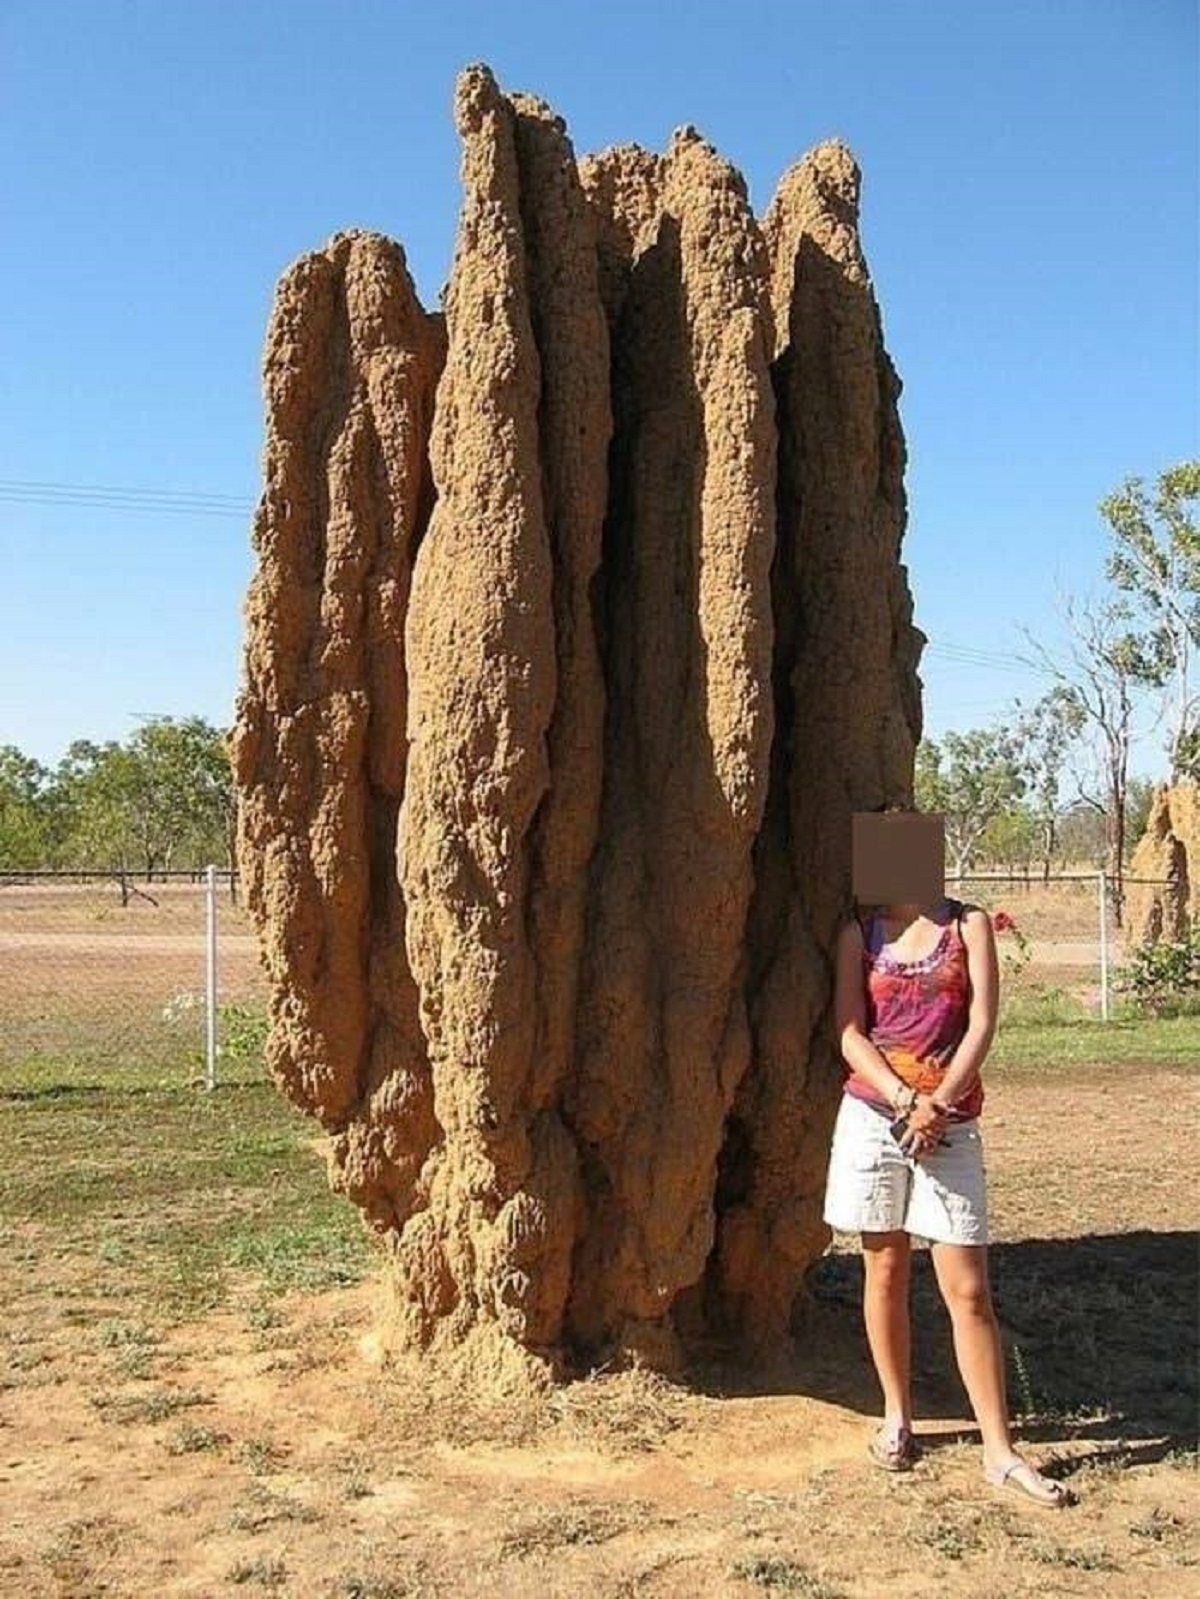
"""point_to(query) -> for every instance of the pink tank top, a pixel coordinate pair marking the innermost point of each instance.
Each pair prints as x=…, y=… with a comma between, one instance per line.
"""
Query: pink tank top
x=917, y=1013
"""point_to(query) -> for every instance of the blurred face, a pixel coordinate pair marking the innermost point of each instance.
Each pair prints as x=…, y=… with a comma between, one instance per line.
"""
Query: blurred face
x=897, y=858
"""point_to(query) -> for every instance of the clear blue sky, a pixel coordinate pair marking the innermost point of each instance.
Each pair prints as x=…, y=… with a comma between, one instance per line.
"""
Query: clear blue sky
x=1029, y=211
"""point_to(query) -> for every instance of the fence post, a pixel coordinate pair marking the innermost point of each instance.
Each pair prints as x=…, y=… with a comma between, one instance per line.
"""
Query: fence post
x=1103, y=946
x=210, y=978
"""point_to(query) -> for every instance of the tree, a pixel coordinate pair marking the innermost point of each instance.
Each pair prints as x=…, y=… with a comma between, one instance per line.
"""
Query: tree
x=1157, y=565
x=184, y=791
x=969, y=779
x=1106, y=666
x=1046, y=732
x=1138, y=800
x=1082, y=834
x=163, y=798
x=95, y=793
x=24, y=811
x=1012, y=838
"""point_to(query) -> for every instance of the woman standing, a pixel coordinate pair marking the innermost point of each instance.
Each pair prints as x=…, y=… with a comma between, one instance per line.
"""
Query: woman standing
x=916, y=998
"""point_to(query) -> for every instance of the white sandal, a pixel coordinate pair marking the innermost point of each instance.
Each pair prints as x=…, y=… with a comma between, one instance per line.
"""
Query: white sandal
x=1026, y=1479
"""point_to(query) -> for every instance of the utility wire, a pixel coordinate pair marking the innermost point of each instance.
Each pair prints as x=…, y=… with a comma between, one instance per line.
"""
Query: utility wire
x=186, y=502
x=964, y=655
x=94, y=496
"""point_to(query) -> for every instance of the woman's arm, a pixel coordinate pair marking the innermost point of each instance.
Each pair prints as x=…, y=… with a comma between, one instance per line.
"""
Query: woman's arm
x=850, y=1010
x=983, y=968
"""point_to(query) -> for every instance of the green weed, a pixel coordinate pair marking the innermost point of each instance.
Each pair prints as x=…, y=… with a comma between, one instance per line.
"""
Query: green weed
x=1093, y=1557
x=262, y=1572
x=197, y=1440
x=782, y=1576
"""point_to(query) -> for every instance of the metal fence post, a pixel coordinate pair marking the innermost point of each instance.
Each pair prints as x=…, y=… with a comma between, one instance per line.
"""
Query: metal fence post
x=1103, y=946
x=210, y=978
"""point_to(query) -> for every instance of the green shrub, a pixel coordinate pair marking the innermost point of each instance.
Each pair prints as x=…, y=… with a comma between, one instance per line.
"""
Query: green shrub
x=1163, y=979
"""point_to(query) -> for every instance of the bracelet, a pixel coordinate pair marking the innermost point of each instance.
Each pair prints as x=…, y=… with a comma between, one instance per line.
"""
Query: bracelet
x=911, y=1099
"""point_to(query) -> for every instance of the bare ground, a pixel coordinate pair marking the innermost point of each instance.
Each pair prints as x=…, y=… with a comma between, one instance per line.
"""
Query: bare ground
x=262, y=1448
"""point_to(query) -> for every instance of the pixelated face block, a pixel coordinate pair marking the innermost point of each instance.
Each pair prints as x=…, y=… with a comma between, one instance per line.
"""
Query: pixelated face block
x=897, y=857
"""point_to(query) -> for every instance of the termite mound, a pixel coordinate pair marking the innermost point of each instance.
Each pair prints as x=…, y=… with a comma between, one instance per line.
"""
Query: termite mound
x=579, y=629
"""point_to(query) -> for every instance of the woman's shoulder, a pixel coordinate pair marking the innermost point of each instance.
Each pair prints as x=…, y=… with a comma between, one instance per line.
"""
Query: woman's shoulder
x=855, y=928
x=966, y=909
x=973, y=922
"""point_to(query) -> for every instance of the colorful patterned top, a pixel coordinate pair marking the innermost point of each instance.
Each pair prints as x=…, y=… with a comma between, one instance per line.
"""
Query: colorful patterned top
x=917, y=1013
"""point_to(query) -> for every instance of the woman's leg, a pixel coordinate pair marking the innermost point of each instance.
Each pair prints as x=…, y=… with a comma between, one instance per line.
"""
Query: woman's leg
x=962, y=1276
x=887, y=1263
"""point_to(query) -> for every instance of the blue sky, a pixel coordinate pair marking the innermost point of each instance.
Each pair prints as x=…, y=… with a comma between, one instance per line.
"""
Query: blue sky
x=1029, y=212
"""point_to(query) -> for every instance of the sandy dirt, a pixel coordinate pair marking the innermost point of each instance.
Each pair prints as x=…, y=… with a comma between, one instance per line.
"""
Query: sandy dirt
x=262, y=1448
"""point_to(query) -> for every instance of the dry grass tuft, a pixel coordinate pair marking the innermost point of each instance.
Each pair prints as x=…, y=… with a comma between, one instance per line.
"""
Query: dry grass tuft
x=544, y=1528
x=615, y=1413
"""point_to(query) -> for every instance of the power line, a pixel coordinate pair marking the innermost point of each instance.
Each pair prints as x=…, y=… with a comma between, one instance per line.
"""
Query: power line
x=186, y=502
x=94, y=496
x=100, y=488
x=966, y=655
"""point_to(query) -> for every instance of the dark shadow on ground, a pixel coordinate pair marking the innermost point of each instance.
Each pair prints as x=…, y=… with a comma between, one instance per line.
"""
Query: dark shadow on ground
x=1101, y=1333
x=170, y=1088
x=52, y=1091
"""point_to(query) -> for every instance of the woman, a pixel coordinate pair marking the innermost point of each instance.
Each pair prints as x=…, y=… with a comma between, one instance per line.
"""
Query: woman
x=916, y=996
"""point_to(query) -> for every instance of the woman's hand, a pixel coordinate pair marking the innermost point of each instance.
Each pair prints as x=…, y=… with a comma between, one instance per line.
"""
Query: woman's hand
x=926, y=1124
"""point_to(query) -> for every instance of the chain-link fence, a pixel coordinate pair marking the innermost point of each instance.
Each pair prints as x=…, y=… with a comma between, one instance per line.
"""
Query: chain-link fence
x=97, y=970
x=1057, y=935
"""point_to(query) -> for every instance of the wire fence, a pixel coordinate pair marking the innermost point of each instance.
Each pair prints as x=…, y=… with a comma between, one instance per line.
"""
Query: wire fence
x=166, y=975
x=97, y=970
x=1058, y=934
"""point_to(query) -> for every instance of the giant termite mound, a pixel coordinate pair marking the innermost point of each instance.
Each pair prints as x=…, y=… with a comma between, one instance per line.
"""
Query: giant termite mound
x=1165, y=904
x=579, y=629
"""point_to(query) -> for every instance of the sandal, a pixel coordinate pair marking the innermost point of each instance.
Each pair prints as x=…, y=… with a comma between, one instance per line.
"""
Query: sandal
x=894, y=1451
x=1025, y=1479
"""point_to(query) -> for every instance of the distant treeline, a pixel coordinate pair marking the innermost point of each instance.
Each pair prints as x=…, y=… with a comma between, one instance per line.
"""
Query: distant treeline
x=160, y=801
x=163, y=801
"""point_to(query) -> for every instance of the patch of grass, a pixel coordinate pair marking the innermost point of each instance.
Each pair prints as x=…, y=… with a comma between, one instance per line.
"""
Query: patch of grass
x=28, y=1360
x=355, y=1587
x=627, y=1412
x=617, y=1413
x=160, y=1404
x=1157, y=1526
x=144, y=1172
x=1090, y=1557
x=952, y=1539
x=76, y=1545
x=262, y=1572
x=553, y=1527
x=1048, y=1029
x=1035, y=1400
x=263, y=1315
x=124, y=1334
x=261, y=1455
x=197, y=1440
x=263, y=1508
x=135, y=1362
x=298, y=1255
x=780, y=1575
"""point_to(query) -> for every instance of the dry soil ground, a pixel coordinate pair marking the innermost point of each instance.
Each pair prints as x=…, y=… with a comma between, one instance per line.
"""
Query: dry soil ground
x=161, y=1435
x=259, y=1447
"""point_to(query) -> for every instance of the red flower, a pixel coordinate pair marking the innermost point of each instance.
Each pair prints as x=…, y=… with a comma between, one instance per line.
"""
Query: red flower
x=1002, y=922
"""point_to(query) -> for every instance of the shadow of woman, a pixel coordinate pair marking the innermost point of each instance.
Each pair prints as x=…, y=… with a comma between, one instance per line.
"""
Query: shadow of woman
x=1101, y=1336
